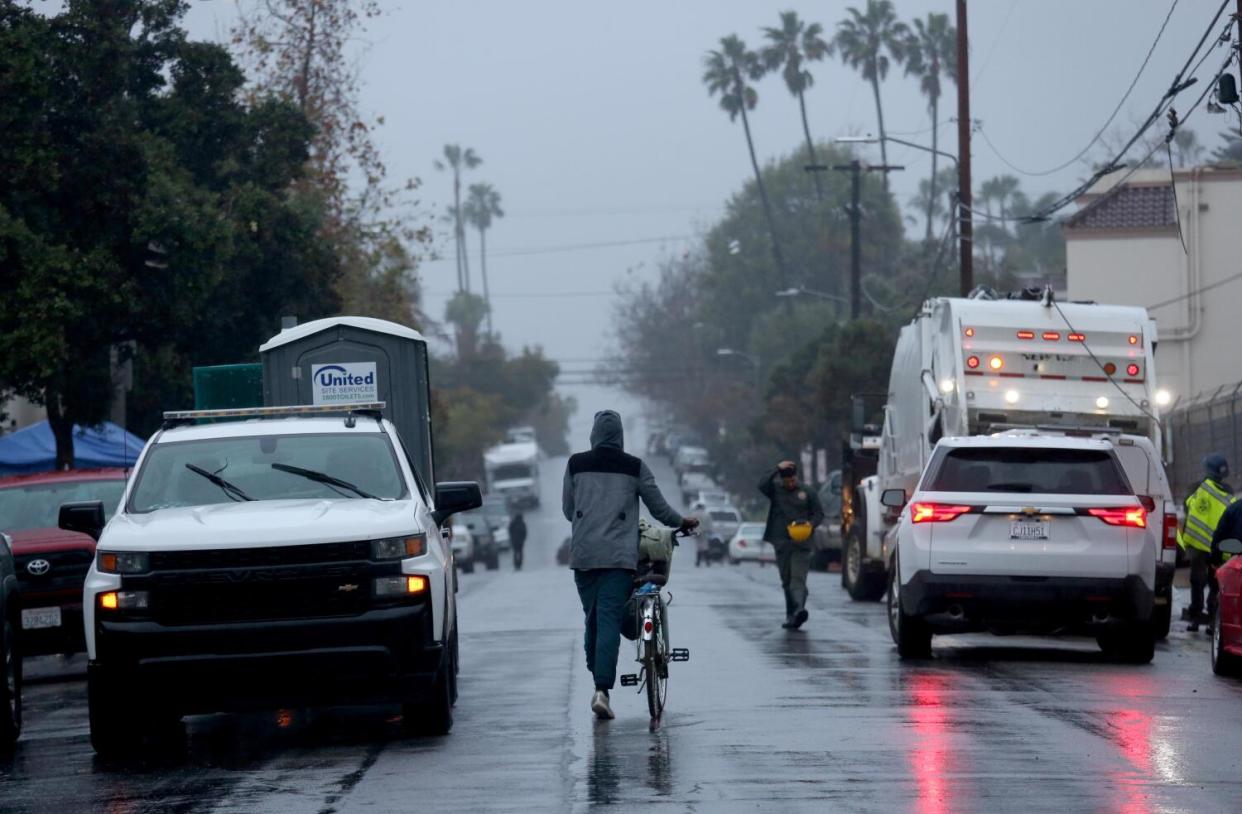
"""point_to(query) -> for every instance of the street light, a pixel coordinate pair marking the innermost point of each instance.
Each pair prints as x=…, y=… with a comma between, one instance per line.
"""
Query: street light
x=799, y=291
x=875, y=140
x=732, y=352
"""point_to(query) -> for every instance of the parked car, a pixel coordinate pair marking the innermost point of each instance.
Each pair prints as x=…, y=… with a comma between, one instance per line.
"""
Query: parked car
x=52, y=563
x=748, y=545
x=692, y=483
x=827, y=537
x=10, y=650
x=719, y=522
x=1227, y=625
x=1031, y=533
x=712, y=497
x=463, y=547
x=496, y=509
x=486, y=549
x=691, y=459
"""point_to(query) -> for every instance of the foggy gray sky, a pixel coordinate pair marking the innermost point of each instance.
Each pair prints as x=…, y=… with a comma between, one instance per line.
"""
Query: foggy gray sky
x=593, y=124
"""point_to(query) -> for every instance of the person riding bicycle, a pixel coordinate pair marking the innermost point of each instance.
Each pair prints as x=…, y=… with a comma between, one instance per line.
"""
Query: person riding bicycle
x=601, y=491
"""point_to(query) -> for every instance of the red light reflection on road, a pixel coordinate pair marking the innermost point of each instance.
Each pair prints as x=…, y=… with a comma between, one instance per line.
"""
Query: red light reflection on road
x=930, y=755
x=1133, y=730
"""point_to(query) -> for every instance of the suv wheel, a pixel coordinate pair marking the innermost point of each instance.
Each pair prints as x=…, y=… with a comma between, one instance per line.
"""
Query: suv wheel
x=1224, y=663
x=11, y=688
x=1162, y=616
x=911, y=634
x=1133, y=644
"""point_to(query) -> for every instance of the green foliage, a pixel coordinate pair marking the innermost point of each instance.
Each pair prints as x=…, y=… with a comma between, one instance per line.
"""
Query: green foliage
x=143, y=202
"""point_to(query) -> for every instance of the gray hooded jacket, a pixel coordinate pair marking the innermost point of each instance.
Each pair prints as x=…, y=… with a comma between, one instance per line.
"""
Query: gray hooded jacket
x=601, y=493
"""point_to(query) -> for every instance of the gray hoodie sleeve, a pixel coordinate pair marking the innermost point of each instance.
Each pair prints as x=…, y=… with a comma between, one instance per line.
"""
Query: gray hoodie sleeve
x=567, y=496
x=654, y=500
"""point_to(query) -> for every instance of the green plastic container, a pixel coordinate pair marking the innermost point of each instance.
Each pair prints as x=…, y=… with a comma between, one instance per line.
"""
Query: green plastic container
x=218, y=387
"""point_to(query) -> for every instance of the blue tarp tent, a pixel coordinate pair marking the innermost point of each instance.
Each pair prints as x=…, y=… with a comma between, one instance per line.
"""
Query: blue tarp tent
x=33, y=449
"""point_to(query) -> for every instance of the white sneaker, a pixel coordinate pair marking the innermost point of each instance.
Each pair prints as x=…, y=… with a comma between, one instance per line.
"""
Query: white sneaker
x=599, y=705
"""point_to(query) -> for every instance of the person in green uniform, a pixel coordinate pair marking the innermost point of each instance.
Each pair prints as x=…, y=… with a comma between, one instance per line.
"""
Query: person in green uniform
x=791, y=503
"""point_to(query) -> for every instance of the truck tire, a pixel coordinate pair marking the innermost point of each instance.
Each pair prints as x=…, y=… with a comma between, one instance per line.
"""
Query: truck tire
x=910, y=633
x=10, y=688
x=434, y=716
x=114, y=732
x=862, y=584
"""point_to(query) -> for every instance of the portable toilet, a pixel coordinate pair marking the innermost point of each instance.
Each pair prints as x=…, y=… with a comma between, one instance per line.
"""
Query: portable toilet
x=339, y=360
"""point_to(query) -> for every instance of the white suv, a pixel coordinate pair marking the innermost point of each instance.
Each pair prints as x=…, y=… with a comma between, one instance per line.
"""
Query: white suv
x=1008, y=533
x=281, y=562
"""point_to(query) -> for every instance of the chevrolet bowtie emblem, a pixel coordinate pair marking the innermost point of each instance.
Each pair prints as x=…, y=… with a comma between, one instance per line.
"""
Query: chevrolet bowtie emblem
x=349, y=586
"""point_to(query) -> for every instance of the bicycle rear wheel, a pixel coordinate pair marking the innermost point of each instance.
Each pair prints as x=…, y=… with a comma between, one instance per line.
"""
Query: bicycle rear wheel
x=655, y=666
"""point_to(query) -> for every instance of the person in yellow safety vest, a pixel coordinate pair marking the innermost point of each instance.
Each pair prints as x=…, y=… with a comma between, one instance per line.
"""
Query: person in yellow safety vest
x=1204, y=507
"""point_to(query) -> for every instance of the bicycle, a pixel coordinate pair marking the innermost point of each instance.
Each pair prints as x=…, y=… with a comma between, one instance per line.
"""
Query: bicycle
x=654, y=654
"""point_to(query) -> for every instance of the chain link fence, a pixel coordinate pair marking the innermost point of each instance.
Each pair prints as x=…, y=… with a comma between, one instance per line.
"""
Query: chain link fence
x=1204, y=424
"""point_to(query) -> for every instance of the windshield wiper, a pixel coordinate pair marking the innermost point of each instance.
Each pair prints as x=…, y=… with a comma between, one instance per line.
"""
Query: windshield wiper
x=231, y=489
x=324, y=478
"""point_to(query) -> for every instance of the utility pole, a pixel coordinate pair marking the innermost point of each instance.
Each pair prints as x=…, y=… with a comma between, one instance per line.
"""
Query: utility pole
x=856, y=168
x=966, y=222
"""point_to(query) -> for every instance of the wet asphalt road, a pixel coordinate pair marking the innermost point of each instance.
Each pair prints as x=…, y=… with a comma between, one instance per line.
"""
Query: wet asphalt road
x=823, y=719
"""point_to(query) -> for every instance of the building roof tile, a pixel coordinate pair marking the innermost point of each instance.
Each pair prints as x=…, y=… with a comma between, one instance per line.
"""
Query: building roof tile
x=1128, y=207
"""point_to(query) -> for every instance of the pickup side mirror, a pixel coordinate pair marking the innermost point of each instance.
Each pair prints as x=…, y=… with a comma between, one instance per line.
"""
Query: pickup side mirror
x=84, y=517
x=893, y=498
x=455, y=497
x=1231, y=546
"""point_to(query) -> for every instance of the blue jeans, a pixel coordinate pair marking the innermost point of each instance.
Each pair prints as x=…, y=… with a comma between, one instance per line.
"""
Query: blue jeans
x=603, y=592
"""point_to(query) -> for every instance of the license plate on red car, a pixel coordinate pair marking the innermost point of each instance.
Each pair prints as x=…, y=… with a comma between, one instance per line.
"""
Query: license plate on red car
x=36, y=618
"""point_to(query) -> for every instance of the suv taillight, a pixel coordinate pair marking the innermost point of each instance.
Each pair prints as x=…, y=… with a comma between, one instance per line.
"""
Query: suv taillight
x=1169, y=541
x=1131, y=516
x=936, y=512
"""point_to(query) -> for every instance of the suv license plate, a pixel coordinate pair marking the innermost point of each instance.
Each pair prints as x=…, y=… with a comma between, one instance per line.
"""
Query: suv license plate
x=35, y=618
x=1028, y=531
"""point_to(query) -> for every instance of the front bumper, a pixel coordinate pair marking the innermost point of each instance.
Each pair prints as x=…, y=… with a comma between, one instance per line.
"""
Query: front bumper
x=382, y=655
x=961, y=603
x=70, y=637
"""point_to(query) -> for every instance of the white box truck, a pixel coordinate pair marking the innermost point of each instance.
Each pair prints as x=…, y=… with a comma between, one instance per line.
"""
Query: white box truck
x=513, y=472
x=974, y=366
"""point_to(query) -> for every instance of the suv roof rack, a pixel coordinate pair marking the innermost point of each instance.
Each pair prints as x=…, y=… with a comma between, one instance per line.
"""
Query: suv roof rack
x=1078, y=430
x=372, y=409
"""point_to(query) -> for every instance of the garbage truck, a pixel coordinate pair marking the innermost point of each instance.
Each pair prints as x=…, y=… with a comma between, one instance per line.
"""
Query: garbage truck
x=980, y=365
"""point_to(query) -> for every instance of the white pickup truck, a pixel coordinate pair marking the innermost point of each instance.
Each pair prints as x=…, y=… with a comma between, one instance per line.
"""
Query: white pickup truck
x=289, y=558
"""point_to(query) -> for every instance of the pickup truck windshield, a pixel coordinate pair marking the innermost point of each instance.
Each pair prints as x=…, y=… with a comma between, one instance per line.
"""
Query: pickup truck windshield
x=1047, y=471
x=343, y=466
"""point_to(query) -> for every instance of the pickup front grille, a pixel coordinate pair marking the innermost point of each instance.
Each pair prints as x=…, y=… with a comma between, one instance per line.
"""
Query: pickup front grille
x=260, y=584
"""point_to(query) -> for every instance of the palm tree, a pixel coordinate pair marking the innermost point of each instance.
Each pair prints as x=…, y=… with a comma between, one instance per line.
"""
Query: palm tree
x=1187, y=147
x=458, y=159
x=999, y=190
x=930, y=51
x=482, y=206
x=728, y=73
x=792, y=46
x=870, y=42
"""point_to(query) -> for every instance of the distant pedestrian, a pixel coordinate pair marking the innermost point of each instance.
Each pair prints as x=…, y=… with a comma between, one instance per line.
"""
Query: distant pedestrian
x=794, y=513
x=600, y=498
x=517, y=539
x=1205, y=505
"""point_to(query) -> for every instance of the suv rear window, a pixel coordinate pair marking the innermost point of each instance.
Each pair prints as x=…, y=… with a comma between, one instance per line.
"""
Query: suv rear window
x=1027, y=469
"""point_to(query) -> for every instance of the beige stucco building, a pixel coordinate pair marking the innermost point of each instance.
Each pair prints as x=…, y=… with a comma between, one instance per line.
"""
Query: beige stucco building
x=1125, y=246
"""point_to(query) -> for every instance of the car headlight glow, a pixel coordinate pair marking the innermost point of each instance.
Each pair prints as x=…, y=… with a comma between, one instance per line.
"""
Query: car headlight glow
x=123, y=562
x=399, y=548
x=125, y=600
x=403, y=585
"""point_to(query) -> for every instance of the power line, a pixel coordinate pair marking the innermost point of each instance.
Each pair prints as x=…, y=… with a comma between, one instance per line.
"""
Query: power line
x=533, y=295
x=575, y=247
x=1200, y=290
x=1107, y=122
x=1100, y=365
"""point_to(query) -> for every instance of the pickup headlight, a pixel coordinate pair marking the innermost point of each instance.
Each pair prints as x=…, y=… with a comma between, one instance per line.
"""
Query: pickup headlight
x=125, y=600
x=404, y=585
x=399, y=548
x=123, y=562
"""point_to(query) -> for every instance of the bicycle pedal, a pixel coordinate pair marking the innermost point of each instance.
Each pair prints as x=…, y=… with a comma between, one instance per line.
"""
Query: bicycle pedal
x=679, y=654
x=629, y=680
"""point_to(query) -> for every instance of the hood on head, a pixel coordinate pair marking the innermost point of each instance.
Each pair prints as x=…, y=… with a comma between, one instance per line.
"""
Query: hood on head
x=607, y=431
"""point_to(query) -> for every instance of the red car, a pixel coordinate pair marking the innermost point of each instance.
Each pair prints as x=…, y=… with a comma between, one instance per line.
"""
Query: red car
x=51, y=563
x=1227, y=626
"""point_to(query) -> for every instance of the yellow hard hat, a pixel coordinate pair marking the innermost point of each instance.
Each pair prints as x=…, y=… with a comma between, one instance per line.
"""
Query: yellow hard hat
x=799, y=531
